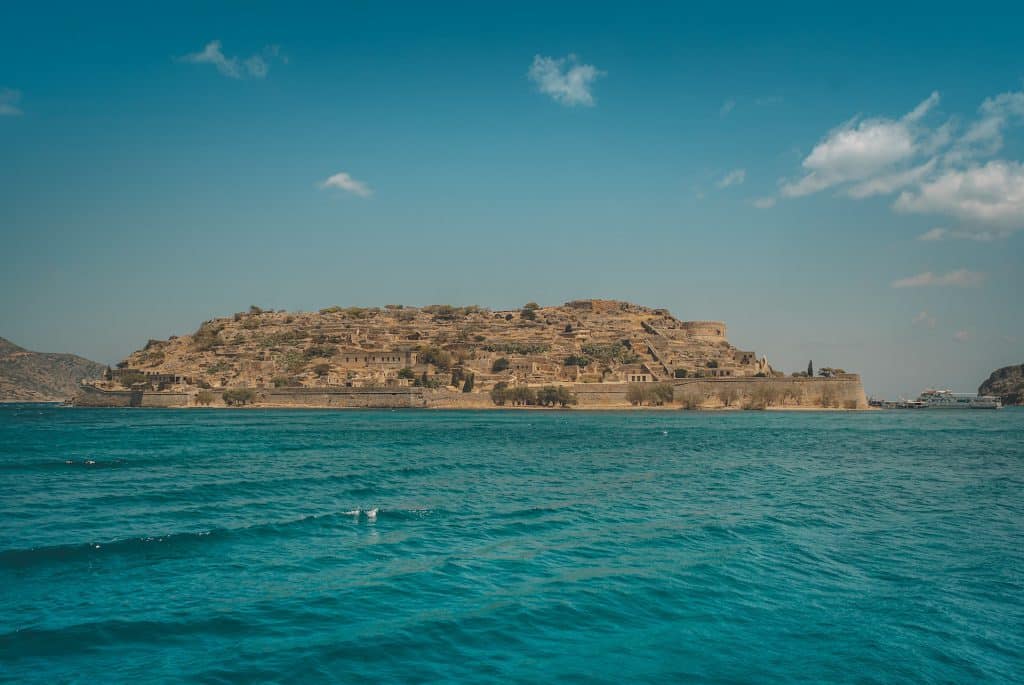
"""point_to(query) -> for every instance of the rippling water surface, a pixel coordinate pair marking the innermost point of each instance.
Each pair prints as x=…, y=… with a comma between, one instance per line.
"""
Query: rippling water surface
x=219, y=546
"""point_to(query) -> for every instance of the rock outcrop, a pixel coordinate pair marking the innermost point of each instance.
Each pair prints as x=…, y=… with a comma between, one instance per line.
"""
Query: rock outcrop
x=1007, y=383
x=27, y=376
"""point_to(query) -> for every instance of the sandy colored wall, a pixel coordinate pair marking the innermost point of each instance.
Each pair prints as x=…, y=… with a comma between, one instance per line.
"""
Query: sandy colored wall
x=693, y=393
x=89, y=396
x=837, y=393
x=344, y=397
x=845, y=392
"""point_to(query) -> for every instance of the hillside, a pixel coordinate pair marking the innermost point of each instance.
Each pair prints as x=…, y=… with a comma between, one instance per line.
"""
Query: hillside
x=588, y=341
x=27, y=376
x=1007, y=383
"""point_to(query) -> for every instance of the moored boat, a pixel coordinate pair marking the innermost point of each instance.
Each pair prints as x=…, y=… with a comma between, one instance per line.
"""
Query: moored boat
x=947, y=399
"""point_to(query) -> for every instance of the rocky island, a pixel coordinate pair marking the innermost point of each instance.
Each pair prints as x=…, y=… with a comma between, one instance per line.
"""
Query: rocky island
x=585, y=353
x=1006, y=383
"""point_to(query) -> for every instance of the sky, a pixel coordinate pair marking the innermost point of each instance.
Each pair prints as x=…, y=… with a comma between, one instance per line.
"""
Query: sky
x=844, y=186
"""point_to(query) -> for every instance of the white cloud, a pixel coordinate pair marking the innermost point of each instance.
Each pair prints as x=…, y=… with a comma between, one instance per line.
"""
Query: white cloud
x=934, y=235
x=960, y=278
x=727, y=106
x=255, y=66
x=887, y=185
x=862, y=149
x=9, y=100
x=985, y=136
x=564, y=79
x=764, y=202
x=962, y=336
x=922, y=319
x=733, y=178
x=930, y=169
x=991, y=195
x=345, y=182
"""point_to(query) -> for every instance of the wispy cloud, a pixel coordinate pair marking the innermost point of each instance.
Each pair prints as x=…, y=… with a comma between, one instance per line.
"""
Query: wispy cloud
x=733, y=178
x=960, y=278
x=937, y=234
x=764, y=101
x=862, y=149
x=564, y=79
x=923, y=319
x=764, y=202
x=962, y=336
x=343, y=181
x=931, y=169
x=254, y=66
x=9, y=101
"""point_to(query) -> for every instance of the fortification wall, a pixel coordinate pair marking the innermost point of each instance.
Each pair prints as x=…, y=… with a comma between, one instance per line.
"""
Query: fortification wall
x=844, y=392
x=344, y=397
x=89, y=396
x=165, y=399
x=705, y=329
x=446, y=399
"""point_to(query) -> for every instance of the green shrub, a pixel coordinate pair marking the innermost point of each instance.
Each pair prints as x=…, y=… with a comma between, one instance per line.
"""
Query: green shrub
x=680, y=373
x=239, y=396
x=442, y=359
x=550, y=395
x=407, y=373
x=204, y=397
x=577, y=360
x=323, y=351
x=499, y=393
x=132, y=377
x=206, y=337
x=500, y=364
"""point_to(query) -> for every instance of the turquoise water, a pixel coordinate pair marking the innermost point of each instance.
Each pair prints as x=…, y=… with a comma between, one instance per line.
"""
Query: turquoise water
x=215, y=546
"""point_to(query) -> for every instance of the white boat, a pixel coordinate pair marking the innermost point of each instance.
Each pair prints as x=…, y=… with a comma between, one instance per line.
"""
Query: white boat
x=947, y=399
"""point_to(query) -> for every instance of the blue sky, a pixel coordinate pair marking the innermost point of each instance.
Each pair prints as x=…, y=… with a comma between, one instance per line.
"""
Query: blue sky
x=845, y=187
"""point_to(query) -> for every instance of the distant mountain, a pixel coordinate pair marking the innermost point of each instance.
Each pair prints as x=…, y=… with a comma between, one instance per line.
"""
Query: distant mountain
x=27, y=376
x=1007, y=382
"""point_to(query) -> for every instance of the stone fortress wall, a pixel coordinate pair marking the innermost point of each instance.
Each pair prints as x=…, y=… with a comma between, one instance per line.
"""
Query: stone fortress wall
x=845, y=392
x=714, y=330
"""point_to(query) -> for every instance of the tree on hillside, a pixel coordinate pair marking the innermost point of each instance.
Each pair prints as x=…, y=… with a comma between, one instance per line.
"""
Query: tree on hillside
x=810, y=369
x=468, y=387
x=500, y=364
x=636, y=393
x=442, y=359
x=239, y=396
x=662, y=393
x=499, y=393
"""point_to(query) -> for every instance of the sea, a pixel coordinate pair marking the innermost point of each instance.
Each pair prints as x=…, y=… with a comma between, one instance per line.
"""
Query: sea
x=420, y=546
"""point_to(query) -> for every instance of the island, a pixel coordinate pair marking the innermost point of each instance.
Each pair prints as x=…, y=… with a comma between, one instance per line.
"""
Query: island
x=587, y=354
